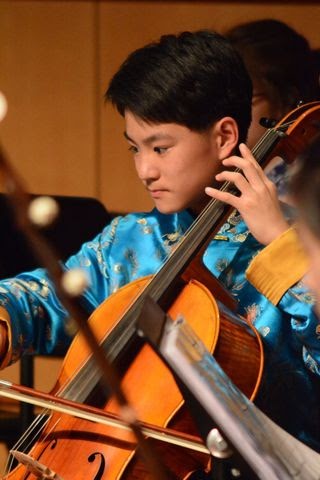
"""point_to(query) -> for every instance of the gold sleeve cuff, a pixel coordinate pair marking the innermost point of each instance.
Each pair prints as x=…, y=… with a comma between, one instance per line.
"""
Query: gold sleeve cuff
x=278, y=266
x=5, y=318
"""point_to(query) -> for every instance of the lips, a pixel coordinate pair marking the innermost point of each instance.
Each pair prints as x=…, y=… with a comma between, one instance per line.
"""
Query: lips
x=156, y=193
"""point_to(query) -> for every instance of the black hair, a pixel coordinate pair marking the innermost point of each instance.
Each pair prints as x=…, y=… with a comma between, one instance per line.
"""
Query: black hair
x=192, y=79
x=305, y=186
x=278, y=58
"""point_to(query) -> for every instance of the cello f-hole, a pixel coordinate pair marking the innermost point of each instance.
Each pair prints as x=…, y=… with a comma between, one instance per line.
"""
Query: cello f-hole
x=102, y=467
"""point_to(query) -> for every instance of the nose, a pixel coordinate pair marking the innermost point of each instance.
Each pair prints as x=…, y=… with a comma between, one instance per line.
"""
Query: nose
x=146, y=167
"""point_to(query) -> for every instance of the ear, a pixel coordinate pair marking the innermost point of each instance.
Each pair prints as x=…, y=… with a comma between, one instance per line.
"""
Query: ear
x=227, y=136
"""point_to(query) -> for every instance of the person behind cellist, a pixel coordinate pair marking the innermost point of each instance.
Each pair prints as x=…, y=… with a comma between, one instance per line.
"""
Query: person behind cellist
x=186, y=103
x=304, y=190
x=284, y=73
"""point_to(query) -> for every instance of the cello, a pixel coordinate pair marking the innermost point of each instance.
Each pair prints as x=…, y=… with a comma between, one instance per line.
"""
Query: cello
x=182, y=286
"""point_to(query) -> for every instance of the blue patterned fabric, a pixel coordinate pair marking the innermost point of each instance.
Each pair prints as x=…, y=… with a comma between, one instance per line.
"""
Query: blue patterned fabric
x=135, y=246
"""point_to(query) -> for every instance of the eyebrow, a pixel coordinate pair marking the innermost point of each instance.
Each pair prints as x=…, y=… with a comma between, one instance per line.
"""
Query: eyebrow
x=153, y=138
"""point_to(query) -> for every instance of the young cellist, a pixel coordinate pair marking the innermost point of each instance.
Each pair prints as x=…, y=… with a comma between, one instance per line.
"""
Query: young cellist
x=186, y=103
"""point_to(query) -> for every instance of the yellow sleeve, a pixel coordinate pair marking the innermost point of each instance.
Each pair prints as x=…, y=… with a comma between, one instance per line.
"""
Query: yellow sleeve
x=278, y=266
x=6, y=345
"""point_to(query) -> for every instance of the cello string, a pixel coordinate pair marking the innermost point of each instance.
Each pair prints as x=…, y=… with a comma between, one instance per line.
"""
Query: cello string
x=25, y=440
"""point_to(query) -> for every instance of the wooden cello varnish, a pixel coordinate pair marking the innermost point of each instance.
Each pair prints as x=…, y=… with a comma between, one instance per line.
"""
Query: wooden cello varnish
x=95, y=451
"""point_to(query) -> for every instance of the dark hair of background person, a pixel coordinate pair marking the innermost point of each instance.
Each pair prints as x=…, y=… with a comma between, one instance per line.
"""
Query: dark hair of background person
x=279, y=61
x=192, y=79
x=305, y=186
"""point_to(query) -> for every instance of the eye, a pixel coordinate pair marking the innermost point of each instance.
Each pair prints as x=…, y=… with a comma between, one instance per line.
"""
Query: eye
x=133, y=149
x=160, y=150
x=257, y=97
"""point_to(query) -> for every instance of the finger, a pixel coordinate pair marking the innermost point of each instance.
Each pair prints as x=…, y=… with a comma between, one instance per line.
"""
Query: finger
x=246, y=153
x=250, y=168
x=237, y=178
x=241, y=163
x=224, y=197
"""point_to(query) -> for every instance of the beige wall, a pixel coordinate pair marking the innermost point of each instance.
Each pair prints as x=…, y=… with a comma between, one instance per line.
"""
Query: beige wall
x=48, y=73
x=56, y=58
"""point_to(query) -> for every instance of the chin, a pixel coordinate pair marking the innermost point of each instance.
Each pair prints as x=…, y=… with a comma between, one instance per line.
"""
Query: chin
x=168, y=209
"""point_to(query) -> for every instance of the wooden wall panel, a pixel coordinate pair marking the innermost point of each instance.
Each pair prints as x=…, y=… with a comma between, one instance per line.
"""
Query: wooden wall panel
x=48, y=73
x=56, y=58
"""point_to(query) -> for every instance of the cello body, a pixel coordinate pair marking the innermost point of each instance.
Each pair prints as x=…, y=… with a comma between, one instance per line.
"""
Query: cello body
x=68, y=445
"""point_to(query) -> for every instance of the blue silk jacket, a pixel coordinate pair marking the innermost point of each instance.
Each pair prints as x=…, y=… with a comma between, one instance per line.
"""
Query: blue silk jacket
x=265, y=281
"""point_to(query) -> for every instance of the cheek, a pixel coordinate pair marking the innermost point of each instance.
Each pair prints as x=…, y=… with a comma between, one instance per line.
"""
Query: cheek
x=195, y=165
x=259, y=110
x=255, y=132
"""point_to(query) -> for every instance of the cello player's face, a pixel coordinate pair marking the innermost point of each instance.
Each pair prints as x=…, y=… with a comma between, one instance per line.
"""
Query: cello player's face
x=174, y=163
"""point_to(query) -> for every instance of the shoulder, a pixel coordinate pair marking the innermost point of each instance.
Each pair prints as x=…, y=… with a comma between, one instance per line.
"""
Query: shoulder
x=145, y=224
